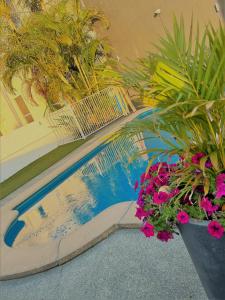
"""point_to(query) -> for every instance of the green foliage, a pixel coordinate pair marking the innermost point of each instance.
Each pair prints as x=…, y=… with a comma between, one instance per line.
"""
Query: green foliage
x=138, y=77
x=57, y=53
x=188, y=85
x=193, y=68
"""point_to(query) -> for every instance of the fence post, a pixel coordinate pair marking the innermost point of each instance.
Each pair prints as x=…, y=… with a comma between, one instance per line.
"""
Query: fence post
x=77, y=123
x=127, y=99
x=120, y=98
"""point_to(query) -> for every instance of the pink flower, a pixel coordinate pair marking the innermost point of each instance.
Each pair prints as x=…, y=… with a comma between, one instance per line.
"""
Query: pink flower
x=150, y=212
x=161, y=179
x=150, y=189
x=164, y=235
x=220, y=179
x=160, y=197
x=136, y=185
x=141, y=213
x=196, y=158
x=220, y=192
x=174, y=192
x=154, y=168
x=148, y=229
x=163, y=170
x=215, y=229
x=208, y=206
x=208, y=164
x=148, y=176
x=183, y=217
x=220, y=185
x=140, y=200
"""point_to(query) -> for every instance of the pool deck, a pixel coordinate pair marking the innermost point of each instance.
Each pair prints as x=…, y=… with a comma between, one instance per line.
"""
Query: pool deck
x=26, y=260
x=125, y=266
x=14, y=262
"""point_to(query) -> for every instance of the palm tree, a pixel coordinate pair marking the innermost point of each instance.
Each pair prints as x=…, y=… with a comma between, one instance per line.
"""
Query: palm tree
x=188, y=84
x=33, y=5
x=57, y=54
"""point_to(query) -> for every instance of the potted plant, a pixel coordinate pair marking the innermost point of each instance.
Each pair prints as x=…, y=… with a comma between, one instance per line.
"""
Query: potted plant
x=187, y=86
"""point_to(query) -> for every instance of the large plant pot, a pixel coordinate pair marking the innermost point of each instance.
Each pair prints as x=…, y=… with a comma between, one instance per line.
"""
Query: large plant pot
x=208, y=256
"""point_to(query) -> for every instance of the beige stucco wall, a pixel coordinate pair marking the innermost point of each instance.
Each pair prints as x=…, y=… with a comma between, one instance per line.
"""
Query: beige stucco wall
x=11, y=117
x=134, y=29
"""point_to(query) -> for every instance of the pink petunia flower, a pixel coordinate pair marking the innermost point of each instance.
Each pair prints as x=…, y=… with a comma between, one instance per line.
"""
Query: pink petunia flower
x=160, y=180
x=154, y=168
x=183, y=217
x=136, y=185
x=140, y=200
x=164, y=235
x=148, y=176
x=150, y=189
x=174, y=192
x=208, y=164
x=164, y=170
x=148, y=229
x=220, y=185
x=196, y=158
x=220, y=178
x=220, y=192
x=160, y=197
x=216, y=229
x=208, y=207
x=141, y=213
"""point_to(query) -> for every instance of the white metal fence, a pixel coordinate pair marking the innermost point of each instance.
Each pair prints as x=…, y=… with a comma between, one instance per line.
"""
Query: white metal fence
x=83, y=118
x=72, y=122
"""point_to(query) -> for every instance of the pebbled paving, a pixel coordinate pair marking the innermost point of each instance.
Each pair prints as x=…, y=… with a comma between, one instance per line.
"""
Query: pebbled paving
x=125, y=266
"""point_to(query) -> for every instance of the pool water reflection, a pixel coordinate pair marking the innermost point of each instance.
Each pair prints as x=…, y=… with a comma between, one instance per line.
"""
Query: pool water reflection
x=102, y=180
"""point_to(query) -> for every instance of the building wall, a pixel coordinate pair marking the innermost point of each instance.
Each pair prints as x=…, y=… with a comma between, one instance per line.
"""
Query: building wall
x=12, y=114
x=134, y=29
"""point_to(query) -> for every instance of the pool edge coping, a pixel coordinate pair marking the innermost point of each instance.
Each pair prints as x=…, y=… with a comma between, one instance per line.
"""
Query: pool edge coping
x=9, y=202
x=104, y=224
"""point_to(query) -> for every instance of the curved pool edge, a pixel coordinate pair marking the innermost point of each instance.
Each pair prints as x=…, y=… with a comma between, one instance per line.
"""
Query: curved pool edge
x=16, y=263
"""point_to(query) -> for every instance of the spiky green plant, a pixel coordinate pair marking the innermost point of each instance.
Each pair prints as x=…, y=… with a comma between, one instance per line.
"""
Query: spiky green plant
x=33, y=5
x=57, y=53
x=188, y=86
x=137, y=76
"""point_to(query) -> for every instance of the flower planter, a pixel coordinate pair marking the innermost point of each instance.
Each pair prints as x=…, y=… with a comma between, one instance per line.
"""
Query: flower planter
x=208, y=256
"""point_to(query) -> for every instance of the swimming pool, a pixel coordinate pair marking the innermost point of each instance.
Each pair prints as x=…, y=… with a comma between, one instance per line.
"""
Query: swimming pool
x=100, y=179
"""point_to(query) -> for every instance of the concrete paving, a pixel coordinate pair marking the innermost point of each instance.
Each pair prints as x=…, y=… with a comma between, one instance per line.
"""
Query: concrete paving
x=125, y=266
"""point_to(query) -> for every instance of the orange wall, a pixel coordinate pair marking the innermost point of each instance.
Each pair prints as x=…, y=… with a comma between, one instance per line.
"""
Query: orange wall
x=133, y=27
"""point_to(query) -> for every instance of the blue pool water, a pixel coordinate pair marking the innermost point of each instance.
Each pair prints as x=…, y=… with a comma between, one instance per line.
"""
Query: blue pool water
x=104, y=177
